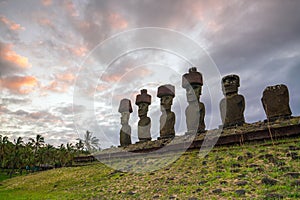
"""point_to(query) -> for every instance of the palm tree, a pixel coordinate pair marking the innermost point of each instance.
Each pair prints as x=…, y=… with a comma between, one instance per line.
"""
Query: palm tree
x=91, y=143
x=49, y=156
x=61, y=155
x=79, y=145
x=38, y=142
x=3, y=147
x=70, y=154
x=16, y=161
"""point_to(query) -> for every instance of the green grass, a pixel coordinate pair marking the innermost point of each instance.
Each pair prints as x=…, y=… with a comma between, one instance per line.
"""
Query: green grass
x=187, y=177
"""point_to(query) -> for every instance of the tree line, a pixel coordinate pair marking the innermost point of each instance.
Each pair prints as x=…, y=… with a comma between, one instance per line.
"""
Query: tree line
x=35, y=154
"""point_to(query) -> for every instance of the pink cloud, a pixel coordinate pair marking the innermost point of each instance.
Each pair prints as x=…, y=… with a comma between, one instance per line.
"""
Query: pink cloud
x=19, y=84
x=117, y=21
x=58, y=87
x=7, y=54
x=45, y=22
x=125, y=76
x=66, y=77
x=46, y=2
x=70, y=8
x=61, y=84
x=10, y=24
x=79, y=51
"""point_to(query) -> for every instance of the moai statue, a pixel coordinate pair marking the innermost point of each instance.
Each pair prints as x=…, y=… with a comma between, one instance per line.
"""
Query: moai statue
x=166, y=93
x=143, y=101
x=125, y=133
x=195, y=112
x=233, y=105
x=275, y=101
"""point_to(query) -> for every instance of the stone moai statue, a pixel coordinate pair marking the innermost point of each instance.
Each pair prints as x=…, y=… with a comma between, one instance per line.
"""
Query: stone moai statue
x=195, y=112
x=166, y=93
x=275, y=101
x=143, y=101
x=233, y=105
x=125, y=133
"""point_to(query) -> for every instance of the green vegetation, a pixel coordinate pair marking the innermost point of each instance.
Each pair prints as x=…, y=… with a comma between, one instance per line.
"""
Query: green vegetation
x=18, y=156
x=252, y=171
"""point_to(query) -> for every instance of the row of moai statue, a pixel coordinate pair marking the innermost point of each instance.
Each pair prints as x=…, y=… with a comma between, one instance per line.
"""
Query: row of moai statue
x=275, y=102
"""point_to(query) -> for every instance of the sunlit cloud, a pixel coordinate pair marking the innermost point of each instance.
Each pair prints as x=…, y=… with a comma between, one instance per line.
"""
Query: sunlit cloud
x=66, y=77
x=10, y=24
x=19, y=84
x=46, y=2
x=56, y=86
x=45, y=22
x=7, y=54
x=70, y=8
x=79, y=51
x=124, y=76
x=117, y=21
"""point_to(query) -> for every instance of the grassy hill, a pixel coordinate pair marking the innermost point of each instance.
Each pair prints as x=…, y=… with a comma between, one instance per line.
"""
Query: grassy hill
x=268, y=170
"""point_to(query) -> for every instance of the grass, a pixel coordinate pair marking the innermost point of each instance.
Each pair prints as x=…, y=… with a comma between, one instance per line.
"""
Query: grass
x=190, y=176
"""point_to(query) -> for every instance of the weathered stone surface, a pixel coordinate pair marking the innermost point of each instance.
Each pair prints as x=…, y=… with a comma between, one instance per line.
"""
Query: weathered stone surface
x=143, y=97
x=195, y=112
x=217, y=191
x=296, y=183
x=240, y=192
x=293, y=174
x=274, y=196
x=268, y=181
x=166, y=93
x=125, y=133
x=275, y=101
x=242, y=183
x=143, y=101
x=125, y=106
x=233, y=105
x=193, y=77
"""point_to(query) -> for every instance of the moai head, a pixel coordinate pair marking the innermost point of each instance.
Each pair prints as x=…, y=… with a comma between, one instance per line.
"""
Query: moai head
x=166, y=93
x=192, y=82
x=275, y=101
x=125, y=109
x=230, y=84
x=143, y=100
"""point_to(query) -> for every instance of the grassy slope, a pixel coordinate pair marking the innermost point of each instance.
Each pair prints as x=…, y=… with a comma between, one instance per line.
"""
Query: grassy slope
x=190, y=176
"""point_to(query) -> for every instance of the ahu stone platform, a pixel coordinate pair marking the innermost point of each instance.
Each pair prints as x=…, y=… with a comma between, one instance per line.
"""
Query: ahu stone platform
x=259, y=131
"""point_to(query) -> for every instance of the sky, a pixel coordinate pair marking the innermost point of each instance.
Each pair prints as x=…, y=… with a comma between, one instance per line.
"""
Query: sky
x=65, y=65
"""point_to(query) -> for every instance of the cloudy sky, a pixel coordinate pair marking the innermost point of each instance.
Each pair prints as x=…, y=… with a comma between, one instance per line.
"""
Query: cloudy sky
x=65, y=65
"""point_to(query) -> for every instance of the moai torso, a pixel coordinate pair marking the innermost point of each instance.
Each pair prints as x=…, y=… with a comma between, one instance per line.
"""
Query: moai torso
x=166, y=93
x=125, y=133
x=233, y=105
x=232, y=110
x=275, y=101
x=144, y=126
x=143, y=101
x=167, y=122
x=195, y=112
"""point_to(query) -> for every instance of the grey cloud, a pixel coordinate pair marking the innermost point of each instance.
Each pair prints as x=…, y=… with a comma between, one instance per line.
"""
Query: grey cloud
x=21, y=113
x=70, y=109
x=11, y=100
